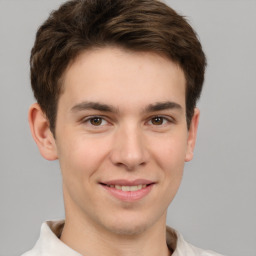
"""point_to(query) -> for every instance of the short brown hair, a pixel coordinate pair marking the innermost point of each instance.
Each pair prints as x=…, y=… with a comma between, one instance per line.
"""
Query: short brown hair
x=138, y=25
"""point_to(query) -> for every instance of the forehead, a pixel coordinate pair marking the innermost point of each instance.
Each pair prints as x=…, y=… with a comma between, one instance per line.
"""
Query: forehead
x=118, y=76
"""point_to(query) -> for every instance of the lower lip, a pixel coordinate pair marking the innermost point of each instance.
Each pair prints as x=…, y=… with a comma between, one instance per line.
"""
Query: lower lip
x=129, y=196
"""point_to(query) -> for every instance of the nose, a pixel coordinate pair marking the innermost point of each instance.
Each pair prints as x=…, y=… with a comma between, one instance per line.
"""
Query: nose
x=129, y=148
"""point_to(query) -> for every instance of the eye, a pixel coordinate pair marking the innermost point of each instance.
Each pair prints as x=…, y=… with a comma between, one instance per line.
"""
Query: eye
x=95, y=121
x=158, y=120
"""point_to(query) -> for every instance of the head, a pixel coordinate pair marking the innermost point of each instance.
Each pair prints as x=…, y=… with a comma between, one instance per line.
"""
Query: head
x=117, y=83
x=135, y=25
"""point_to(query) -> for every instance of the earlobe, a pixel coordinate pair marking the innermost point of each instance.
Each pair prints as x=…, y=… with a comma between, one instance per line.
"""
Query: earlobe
x=40, y=130
x=192, y=133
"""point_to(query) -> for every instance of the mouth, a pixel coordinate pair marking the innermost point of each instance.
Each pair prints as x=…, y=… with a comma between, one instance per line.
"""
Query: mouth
x=128, y=190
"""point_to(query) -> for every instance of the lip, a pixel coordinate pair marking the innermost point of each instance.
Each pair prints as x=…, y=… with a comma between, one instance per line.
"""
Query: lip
x=123, y=182
x=128, y=196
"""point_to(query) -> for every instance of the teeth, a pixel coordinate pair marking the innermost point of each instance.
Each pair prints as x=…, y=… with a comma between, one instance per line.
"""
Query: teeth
x=128, y=188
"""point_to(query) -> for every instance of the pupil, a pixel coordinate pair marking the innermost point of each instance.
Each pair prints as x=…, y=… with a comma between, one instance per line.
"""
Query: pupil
x=96, y=121
x=157, y=120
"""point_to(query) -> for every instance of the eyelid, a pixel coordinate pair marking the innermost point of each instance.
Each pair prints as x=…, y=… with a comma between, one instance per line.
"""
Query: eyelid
x=88, y=118
x=169, y=119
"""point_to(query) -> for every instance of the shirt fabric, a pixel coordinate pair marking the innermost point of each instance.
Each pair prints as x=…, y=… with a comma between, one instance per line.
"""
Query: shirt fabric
x=49, y=243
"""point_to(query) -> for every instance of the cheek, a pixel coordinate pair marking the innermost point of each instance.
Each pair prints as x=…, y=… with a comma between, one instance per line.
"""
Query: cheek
x=170, y=152
x=80, y=157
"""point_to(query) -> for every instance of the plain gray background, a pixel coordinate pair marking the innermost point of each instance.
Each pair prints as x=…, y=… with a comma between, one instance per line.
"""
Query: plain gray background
x=216, y=205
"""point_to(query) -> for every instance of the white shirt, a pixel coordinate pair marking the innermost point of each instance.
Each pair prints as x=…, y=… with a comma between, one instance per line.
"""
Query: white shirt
x=49, y=243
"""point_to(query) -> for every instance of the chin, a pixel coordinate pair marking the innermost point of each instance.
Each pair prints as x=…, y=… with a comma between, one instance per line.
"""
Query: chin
x=128, y=230
x=129, y=226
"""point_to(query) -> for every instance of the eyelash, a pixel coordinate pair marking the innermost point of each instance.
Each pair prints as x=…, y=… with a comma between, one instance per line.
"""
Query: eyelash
x=91, y=118
x=164, y=119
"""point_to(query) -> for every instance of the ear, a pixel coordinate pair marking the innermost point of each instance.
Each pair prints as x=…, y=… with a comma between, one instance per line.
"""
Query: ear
x=191, y=140
x=40, y=129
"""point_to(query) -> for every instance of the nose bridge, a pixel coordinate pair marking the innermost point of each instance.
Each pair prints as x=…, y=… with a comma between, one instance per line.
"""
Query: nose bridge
x=129, y=148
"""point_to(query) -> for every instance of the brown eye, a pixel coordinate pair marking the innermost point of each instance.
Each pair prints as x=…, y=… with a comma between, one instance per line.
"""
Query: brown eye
x=96, y=121
x=158, y=120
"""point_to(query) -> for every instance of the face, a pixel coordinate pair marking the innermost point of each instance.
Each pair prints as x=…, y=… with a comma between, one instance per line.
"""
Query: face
x=122, y=138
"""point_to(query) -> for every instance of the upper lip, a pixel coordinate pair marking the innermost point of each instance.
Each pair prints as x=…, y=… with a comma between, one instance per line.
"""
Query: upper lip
x=123, y=182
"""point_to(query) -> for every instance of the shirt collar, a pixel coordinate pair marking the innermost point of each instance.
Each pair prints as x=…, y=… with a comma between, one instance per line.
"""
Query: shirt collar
x=49, y=242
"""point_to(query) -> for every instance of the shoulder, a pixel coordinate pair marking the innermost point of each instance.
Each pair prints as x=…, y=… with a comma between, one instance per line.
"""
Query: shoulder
x=185, y=248
x=30, y=253
x=49, y=242
x=189, y=249
x=35, y=251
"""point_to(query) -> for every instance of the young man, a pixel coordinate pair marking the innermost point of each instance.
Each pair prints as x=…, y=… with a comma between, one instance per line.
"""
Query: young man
x=116, y=84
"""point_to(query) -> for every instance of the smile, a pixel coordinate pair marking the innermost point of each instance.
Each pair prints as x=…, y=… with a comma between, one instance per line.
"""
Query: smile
x=127, y=188
x=128, y=191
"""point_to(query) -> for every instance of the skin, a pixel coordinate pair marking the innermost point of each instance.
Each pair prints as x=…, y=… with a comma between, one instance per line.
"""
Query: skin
x=140, y=132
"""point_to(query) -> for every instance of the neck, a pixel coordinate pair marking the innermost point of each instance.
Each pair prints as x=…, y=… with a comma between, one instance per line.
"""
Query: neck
x=91, y=240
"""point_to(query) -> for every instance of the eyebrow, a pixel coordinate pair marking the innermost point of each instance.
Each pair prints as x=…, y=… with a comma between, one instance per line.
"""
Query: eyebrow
x=95, y=106
x=109, y=108
x=163, y=106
